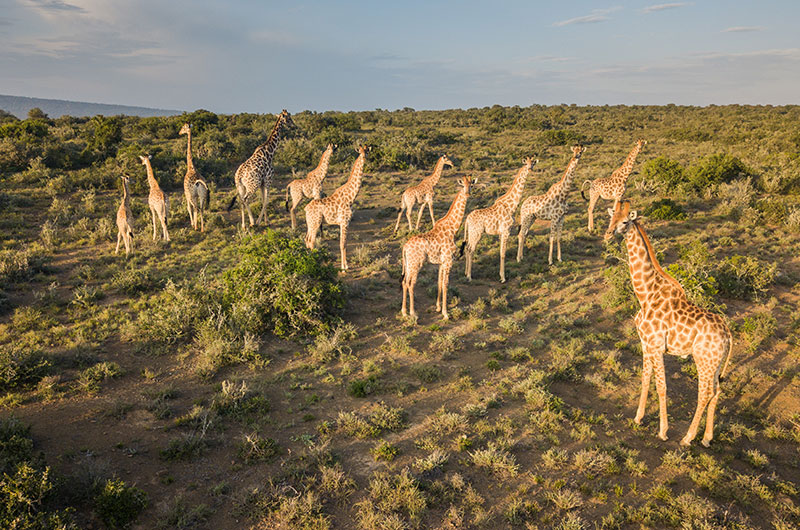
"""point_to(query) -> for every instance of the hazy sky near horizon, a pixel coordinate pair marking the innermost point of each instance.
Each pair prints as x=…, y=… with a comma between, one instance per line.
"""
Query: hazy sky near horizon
x=262, y=56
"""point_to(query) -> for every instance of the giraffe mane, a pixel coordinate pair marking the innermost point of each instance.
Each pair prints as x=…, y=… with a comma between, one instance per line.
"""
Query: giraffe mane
x=651, y=252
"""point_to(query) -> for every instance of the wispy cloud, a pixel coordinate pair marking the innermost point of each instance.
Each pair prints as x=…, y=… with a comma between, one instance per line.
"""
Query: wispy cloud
x=743, y=29
x=663, y=7
x=597, y=15
x=782, y=53
x=56, y=6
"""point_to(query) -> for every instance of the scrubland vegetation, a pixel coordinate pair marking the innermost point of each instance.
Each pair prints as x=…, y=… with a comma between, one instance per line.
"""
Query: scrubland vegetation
x=231, y=379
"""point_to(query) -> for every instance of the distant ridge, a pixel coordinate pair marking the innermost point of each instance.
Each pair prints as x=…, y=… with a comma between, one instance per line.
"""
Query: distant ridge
x=55, y=108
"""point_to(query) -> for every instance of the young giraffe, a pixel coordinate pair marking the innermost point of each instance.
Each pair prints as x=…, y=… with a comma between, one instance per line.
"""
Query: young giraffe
x=157, y=200
x=497, y=219
x=195, y=189
x=125, y=220
x=668, y=322
x=552, y=206
x=255, y=174
x=311, y=186
x=422, y=193
x=438, y=246
x=612, y=187
x=337, y=208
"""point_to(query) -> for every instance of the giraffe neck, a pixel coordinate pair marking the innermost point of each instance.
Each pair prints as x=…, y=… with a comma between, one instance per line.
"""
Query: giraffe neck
x=151, y=179
x=437, y=173
x=511, y=198
x=267, y=150
x=322, y=168
x=189, y=161
x=647, y=276
x=452, y=220
x=627, y=166
x=351, y=187
x=563, y=185
x=125, y=197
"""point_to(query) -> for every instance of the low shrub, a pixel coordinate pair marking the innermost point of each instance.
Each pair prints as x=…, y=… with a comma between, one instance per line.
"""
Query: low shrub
x=118, y=504
x=285, y=288
x=665, y=210
x=21, y=366
x=716, y=169
x=745, y=277
x=668, y=174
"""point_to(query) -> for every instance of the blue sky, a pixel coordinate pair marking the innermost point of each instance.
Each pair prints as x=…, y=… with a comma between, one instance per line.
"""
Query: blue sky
x=262, y=56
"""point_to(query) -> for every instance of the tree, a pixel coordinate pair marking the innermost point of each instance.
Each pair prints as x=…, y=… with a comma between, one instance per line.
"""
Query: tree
x=37, y=114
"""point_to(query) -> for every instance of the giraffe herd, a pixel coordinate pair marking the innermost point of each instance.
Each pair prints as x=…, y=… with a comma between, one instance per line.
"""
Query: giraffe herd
x=666, y=323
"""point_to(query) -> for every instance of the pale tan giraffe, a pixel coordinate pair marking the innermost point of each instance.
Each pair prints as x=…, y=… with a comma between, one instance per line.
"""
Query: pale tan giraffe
x=422, y=193
x=157, y=200
x=311, y=186
x=668, y=322
x=437, y=246
x=254, y=176
x=195, y=188
x=613, y=187
x=125, y=220
x=552, y=206
x=337, y=209
x=496, y=220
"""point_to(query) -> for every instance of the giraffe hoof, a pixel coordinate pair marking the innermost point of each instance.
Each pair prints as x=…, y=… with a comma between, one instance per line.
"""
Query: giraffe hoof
x=706, y=443
x=686, y=443
x=637, y=421
x=663, y=437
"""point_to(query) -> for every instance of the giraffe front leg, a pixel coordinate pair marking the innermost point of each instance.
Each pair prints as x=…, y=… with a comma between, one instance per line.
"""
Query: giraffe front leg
x=703, y=397
x=647, y=371
x=409, y=211
x=552, y=236
x=503, y=241
x=430, y=209
x=444, y=273
x=343, y=244
x=661, y=390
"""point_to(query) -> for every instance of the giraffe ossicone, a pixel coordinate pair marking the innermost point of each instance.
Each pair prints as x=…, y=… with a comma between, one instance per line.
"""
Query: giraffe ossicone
x=668, y=322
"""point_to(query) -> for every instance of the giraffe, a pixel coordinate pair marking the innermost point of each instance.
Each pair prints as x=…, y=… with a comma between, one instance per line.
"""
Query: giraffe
x=422, y=193
x=157, y=200
x=497, y=219
x=437, y=246
x=255, y=174
x=612, y=187
x=125, y=219
x=336, y=209
x=311, y=186
x=552, y=206
x=668, y=322
x=195, y=188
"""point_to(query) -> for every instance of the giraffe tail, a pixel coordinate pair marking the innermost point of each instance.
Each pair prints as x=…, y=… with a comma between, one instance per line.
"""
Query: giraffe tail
x=286, y=203
x=233, y=201
x=463, y=244
x=403, y=265
x=583, y=186
x=728, y=358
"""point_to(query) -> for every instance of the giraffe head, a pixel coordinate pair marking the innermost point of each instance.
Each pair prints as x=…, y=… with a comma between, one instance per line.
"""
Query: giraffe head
x=286, y=119
x=332, y=147
x=641, y=143
x=467, y=182
x=186, y=129
x=145, y=159
x=363, y=149
x=578, y=150
x=529, y=162
x=125, y=179
x=622, y=218
x=446, y=161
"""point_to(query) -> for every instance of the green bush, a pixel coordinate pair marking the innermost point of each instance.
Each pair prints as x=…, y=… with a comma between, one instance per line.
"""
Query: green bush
x=561, y=137
x=21, y=366
x=363, y=387
x=745, y=277
x=16, y=445
x=666, y=210
x=24, y=498
x=696, y=273
x=668, y=174
x=716, y=169
x=283, y=287
x=118, y=504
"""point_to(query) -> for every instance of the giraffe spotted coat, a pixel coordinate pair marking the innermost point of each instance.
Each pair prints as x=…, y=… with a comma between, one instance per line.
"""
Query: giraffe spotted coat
x=311, y=186
x=611, y=188
x=423, y=194
x=158, y=201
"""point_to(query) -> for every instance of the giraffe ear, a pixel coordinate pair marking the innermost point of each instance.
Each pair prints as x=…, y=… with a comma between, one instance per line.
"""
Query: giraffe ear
x=633, y=215
x=610, y=212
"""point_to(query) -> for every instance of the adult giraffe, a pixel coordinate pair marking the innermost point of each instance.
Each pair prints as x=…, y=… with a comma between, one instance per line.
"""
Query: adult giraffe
x=255, y=174
x=437, y=246
x=195, y=188
x=668, y=322
x=612, y=187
